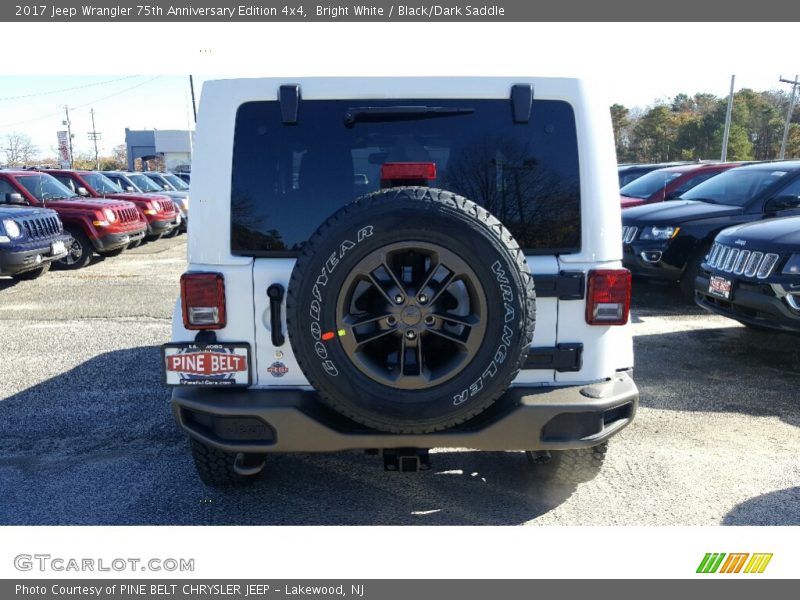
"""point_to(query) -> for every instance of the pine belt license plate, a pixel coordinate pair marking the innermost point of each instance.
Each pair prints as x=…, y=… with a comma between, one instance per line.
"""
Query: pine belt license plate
x=223, y=364
x=720, y=287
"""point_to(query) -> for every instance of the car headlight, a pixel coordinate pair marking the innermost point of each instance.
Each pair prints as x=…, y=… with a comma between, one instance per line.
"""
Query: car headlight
x=659, y=233
x=185, y=203
x=12, y=229
x=792, y=265
x=109, y=214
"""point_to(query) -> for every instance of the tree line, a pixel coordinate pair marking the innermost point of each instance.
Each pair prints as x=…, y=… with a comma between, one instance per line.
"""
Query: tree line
x=691, y=128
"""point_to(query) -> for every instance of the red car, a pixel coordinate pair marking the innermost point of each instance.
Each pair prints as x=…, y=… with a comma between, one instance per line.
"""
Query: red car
x=159, y=212
x=103, y=226
x=669, y=183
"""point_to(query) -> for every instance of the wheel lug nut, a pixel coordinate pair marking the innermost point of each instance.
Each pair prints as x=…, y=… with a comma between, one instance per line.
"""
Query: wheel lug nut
x=411, y=334
x=399, y=299
x=391, y=321
x=422, y=298
x=430, y=320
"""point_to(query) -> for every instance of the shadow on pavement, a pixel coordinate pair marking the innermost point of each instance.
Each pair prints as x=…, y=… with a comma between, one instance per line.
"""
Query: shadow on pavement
x=768, y=509
x=98, y=445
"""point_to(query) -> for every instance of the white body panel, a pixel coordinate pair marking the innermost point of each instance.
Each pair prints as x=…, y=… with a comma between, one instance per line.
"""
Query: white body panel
x=606, y=349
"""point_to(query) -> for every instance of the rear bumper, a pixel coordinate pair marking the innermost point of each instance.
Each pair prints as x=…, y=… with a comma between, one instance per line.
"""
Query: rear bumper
x=112, y=241
x=750, y=304
x=20, y=261
x=289, y=420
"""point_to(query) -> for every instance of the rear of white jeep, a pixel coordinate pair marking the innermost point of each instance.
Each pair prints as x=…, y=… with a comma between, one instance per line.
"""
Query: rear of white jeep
x=401, y=264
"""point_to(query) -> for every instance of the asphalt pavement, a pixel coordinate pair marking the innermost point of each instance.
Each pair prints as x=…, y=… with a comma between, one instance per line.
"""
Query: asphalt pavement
x=87, y=436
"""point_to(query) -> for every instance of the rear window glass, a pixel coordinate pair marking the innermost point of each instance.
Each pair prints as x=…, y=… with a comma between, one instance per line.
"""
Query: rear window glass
x=287, y=179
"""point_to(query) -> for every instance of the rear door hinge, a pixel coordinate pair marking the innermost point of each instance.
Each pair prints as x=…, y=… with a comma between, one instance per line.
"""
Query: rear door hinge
x=567, y=285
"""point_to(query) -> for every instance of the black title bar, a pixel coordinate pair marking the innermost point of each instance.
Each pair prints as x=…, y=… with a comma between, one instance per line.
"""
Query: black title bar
x=407, y=11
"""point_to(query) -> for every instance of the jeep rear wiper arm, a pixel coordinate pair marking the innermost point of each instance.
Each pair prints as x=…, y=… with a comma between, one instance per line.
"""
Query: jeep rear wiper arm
x=377, y=114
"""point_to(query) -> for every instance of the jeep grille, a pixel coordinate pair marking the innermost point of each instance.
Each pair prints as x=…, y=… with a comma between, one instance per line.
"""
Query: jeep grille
x=741, y=262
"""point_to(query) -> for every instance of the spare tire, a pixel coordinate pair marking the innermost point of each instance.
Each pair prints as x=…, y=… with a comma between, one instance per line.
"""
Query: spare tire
x=410, y=310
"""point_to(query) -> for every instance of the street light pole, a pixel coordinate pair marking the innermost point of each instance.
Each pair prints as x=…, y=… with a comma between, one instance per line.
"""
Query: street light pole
x=69, y=134
x=94, y=135
x=788, y=114
x=727, y=123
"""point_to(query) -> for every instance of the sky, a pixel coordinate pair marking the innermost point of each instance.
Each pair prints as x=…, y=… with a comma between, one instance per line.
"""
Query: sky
x=633, y=63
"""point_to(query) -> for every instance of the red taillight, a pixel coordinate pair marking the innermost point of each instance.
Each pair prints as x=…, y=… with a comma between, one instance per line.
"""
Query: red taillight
x=608, y=301
x=408, y=171
x=203, y=300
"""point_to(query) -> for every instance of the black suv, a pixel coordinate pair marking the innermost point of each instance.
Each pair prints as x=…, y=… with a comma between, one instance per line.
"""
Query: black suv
x=752, y=274
x=669, y=240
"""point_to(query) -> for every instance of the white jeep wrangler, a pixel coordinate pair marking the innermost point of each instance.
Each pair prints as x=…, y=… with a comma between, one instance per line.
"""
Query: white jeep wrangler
x=398, y=264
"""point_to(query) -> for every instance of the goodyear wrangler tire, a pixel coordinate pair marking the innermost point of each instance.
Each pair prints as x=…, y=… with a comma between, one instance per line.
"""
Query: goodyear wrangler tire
x=410, y=310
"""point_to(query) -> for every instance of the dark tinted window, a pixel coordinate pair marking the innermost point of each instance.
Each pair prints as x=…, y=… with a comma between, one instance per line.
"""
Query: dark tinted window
x=691, y=182
x=288, y=178
x=737, y=187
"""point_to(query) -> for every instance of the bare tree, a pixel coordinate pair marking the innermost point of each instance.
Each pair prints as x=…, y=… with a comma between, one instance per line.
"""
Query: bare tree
x=19, y=149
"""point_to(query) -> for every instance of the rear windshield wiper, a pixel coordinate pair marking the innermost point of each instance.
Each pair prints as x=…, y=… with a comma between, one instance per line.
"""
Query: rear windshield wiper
x=377, y=114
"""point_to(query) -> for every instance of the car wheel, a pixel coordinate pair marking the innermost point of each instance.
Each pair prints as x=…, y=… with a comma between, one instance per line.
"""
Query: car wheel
x=217, y=468
x=569, y=466
x=692, y=271
x=174, y=233
x=80, y=251
x=411, y=310
x=135, y=244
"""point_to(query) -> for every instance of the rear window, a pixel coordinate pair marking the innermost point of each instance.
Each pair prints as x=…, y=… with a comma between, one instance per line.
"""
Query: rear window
x=287, y=179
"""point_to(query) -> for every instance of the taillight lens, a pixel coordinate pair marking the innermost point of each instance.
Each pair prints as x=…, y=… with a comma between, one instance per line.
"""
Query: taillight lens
x=203, y=300
x=608, y=300
x=408, y=171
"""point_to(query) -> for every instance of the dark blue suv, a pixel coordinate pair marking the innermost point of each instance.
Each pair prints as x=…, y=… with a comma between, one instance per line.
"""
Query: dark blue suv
x=30, y=240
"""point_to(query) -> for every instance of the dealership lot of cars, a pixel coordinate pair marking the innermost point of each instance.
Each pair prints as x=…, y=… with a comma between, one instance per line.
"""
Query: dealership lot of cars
x=86, y=434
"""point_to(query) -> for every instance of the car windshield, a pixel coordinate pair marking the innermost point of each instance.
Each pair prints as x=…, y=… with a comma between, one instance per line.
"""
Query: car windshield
x=101, y=184
x=144, y=183
x=647, y=185
x=736, y=187
x=44, y=187
x=163, y=186
x=176, y=182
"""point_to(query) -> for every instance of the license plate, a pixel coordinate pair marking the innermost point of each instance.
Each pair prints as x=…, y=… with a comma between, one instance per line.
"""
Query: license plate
x=721, y=287
x=226, y=364
x=58, y=248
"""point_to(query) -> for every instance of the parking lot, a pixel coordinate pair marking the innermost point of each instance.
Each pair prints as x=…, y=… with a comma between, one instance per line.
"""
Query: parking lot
x=87, y=437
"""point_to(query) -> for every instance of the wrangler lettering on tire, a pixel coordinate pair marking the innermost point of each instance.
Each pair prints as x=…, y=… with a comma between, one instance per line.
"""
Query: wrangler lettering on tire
x=410, y=310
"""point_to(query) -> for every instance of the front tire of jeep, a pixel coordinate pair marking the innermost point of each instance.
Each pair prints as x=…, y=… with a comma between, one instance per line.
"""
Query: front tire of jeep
x=216, y=468
x=569, y=466
x=411, y=310
x=80, y=251
x=693, y=268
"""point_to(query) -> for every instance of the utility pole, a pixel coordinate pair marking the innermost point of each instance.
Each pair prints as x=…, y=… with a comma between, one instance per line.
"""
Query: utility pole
x=194, y=107
x=727, y=122
x=95, y=135
x=68, y=124
x=788, y=114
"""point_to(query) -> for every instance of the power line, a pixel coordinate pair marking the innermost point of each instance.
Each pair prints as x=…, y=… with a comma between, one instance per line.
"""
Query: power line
x=47, y=116
x=69, y=89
